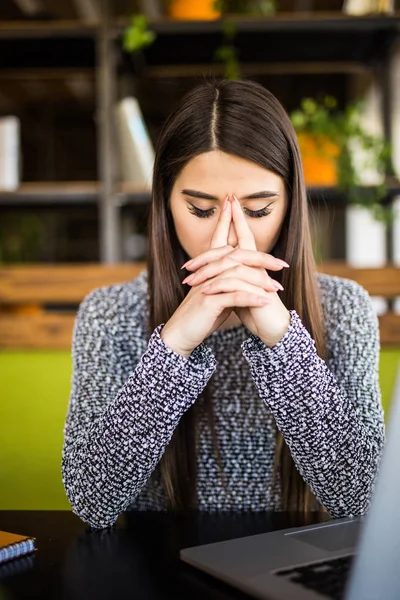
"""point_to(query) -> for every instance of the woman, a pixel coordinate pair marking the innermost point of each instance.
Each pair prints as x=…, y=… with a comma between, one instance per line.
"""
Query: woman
x=241, y=379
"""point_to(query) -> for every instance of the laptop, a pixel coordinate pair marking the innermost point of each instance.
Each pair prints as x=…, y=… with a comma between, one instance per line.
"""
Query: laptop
x=344, y=559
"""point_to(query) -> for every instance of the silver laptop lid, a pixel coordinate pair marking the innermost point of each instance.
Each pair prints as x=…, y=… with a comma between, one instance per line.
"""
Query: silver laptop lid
x=376, y=572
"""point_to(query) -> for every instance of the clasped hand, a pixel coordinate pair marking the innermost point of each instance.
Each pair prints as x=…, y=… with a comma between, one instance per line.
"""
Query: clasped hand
x=227, y=279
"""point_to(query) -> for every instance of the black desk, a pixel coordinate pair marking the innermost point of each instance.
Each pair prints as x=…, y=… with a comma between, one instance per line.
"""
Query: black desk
x=138, y=558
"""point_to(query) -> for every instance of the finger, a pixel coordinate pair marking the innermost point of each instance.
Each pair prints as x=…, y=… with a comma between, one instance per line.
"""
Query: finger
x=250, y=258
x=250, y=275
x=210, y=270
x=231, y=268
x=207, y=257
x=232, y=284
x=258, y=259
x=237, y=299
x=220, y=236
x=244, y=233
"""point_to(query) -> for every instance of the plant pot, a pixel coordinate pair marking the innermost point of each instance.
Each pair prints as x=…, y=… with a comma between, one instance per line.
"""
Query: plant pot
x=319, y=157
x=192, y=10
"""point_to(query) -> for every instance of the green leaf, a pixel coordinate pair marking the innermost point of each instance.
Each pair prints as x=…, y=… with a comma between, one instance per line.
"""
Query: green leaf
x=322, y=118
x=137, y=35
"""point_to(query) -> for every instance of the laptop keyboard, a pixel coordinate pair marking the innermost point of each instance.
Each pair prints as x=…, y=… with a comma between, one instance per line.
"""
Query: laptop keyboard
x=328, y=577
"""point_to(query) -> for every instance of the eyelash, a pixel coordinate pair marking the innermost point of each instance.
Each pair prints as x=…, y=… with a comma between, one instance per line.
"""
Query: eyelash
x=204, y=214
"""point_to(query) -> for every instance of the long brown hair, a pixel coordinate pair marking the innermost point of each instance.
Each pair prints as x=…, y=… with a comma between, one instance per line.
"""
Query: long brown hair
x=243, y=119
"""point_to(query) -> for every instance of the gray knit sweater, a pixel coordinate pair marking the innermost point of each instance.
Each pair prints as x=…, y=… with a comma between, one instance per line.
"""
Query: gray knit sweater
x=128, y=395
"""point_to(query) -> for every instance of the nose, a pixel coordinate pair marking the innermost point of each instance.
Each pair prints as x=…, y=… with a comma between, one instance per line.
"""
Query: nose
x=232, y=236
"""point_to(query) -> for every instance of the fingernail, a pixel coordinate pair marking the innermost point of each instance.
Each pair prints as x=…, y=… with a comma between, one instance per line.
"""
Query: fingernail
x=277, y=286
x=226, y=202
x=281, y=262
x=235, y=198
x=188, y=279
x=189, y=262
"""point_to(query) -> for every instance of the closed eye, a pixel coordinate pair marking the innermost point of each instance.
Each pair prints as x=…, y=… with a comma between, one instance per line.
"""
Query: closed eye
x=204, y=214
x=256, y=214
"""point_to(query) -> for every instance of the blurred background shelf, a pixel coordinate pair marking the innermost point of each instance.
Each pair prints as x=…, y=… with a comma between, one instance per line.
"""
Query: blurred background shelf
x=87, y=192
x=333, y=195
x=280, y=39
x=66, y=193
x=343, y=42
x=40, y=28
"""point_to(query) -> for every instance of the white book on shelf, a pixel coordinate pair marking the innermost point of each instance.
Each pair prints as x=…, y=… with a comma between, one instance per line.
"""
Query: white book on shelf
x=367, y=7
x=136, y=150
x=9, y=153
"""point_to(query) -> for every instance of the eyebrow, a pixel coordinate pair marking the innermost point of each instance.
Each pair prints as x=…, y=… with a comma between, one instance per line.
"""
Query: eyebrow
x=204, y=196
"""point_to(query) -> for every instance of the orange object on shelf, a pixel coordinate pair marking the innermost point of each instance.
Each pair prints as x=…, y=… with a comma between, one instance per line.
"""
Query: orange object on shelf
x=193, y=9
x=319, y=156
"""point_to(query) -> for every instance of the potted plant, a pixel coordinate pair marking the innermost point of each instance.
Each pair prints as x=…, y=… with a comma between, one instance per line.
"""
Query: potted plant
x=202, y=10
x=227, y=53
x=193, y=9
x=337, y=150
x=137, y=35
x=213, y=9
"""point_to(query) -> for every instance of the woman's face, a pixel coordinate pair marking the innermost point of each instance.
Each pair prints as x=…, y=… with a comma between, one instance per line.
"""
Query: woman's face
x=199, y=192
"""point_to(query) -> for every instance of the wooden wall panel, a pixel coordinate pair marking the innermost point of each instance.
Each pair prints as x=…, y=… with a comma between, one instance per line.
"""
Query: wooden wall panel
x=39, y=332
x=378, y=282
x=24, y=323
x=60, y=283
x=54, y=331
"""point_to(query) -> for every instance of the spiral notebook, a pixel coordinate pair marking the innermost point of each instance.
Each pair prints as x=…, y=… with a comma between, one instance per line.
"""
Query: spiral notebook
x=13, y=545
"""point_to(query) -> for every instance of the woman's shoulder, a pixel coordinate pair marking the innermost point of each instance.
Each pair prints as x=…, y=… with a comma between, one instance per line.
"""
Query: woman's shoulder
x=117, y=302
x=343, y=298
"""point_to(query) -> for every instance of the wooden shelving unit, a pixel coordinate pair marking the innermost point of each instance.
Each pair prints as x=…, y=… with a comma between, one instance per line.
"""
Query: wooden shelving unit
x=68, y=45
x=284, y=39
x=87, y=192
x=69, y=192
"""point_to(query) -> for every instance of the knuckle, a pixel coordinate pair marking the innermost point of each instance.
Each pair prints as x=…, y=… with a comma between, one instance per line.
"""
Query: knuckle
x=205, y=271
x=234, y=255
x=228, y=261
x=204, y=299
x=205, y=285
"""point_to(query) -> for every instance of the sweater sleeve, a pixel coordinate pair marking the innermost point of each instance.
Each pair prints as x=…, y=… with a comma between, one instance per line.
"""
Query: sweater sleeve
x=329, y=413
x=114, y=440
